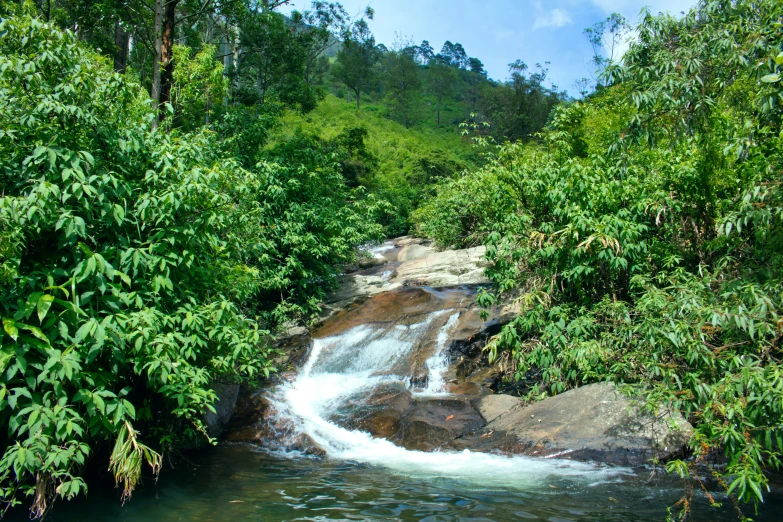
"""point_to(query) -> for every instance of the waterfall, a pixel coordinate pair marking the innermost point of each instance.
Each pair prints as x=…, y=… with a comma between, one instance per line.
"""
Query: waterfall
x=353, y=363
x=439, y=362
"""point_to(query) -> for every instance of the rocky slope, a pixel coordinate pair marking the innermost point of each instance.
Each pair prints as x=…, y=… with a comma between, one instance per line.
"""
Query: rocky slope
x=414, y=287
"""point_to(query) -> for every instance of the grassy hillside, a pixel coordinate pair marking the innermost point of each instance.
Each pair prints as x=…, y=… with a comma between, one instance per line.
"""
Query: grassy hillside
x=397, y=163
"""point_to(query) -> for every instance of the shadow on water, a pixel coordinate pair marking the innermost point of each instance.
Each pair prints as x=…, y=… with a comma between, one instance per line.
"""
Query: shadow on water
x=240, y=483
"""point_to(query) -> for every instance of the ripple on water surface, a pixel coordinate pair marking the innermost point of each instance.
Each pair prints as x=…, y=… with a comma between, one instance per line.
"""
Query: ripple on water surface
x=239, y=483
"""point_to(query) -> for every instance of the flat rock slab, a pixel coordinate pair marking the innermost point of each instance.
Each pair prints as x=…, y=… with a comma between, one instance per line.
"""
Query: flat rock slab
x=447, y=268
x=493, y=406
x=432, y=424
x=593, y=422
x=422, y=266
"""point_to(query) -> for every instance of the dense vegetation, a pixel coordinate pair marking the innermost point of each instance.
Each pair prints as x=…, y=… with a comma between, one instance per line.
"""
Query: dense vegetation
x=140, y=266
x=643, y=237
x=158, y=223
x=399, y=165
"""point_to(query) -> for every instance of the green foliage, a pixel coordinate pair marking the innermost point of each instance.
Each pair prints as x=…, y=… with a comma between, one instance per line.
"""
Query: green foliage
x=140, y=267
x=403, y=83
x=355, y=61
x=396, y=164
x=312, y=225
x=275, y=59
x=199, y=86
x=644, y=237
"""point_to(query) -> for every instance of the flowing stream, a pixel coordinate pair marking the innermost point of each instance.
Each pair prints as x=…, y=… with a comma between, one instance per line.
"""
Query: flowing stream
x=367, y=478
x=345, y=366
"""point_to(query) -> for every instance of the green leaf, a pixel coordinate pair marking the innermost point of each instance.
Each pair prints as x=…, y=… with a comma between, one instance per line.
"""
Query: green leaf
x=36, y=332
x=6, y=354
x=770, y=78
x=30, y=305
x=779, y=59
x=44, y=303
x=10, y=328
x=119, y=213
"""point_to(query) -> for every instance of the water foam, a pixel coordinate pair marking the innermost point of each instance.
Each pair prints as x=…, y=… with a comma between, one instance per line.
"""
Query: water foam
x=348, y=365
x=439, y=362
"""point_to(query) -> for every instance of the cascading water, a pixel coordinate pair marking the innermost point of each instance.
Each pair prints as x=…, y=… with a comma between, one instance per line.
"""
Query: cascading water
x=439, y=362
x=353, y=363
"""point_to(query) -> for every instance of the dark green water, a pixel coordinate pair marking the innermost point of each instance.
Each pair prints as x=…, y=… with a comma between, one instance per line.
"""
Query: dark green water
x=240, y=483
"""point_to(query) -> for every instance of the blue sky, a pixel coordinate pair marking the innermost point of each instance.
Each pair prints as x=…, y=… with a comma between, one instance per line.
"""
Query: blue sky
x=501, y=31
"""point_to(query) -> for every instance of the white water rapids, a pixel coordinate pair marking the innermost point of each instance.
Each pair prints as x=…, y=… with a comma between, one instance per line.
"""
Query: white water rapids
x=353, y=363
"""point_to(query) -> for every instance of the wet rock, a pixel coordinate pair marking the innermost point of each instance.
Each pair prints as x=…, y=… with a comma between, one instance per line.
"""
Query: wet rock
x=354, y=288
x=432, y=424
x=254, y=418
x=379, y=413
x=399, y=307
x=217, y=421
x=493, y=406
x=256, y=421
x=421, y=267
x=304, y=444
x=594, y=422
x=486, y=377
x=293, y=349
x=465, y=388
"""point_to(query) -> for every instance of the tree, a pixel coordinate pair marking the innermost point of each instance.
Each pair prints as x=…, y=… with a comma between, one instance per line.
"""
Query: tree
x=460, y=57
x=520, y=107
x=275, y=60
x=356, y=59
x=607, y=38
x=475, y=65
x=402, y=80
x=441, y=81
x=425, y=52
x=320, y=23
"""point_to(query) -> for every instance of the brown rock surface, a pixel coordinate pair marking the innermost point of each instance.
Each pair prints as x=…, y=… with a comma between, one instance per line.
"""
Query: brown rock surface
x=433, y=424
x=493, y=406
x=395, y=307
x=593, y=422
x=379, y=413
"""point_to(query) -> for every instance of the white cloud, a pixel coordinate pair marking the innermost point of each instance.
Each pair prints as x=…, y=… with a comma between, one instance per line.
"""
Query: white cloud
x=554, y=18
x=631, y=8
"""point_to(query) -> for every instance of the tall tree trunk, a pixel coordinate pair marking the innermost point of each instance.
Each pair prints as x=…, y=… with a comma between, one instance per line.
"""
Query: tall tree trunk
x=166, y=56
x=157, y=44
x=358, y=98
x=439, y=99
x=121, y=40
x=226, y=51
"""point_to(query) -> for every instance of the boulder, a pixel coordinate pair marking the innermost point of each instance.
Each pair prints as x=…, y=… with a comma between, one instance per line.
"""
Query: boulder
x=422, y=266
x=432, y=424
x=402, y=306
x=254, y=418
x=256, y=421
x=593, y=422
x=379, y=413
x=217, y=421
x=493, y=406
x=447, y=268
x=465, y=388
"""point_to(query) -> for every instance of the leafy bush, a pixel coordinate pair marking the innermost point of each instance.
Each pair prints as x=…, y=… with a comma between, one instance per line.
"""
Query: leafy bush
x=136, y=266
x=645, y=236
